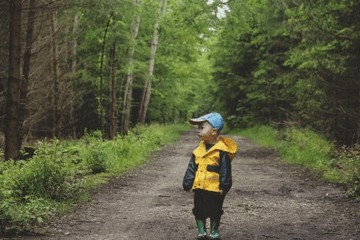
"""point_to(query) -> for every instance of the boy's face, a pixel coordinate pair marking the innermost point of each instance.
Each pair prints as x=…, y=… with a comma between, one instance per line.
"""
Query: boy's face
x=207, y=132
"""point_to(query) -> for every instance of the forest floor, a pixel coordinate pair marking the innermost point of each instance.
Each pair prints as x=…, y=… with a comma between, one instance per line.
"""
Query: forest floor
x=268, y=200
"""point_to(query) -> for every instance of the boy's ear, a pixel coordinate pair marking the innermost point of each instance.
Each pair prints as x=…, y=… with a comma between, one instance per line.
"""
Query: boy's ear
x=214, y=132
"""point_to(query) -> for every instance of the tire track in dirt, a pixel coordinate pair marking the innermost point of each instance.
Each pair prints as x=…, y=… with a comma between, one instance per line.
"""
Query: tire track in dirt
x=269, y=200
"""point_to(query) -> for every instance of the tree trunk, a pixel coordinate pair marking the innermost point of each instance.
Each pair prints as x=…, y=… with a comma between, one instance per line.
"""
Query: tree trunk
x=113, y=90
x=23, y=113
x=12, y=131
x=4, y=65
x=73, y=64
x=56, y=77
x=74, y=43
x=102, y=115
x=145, y=100
x=129, y=75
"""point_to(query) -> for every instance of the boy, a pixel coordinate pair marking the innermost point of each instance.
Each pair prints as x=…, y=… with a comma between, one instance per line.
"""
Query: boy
x=209, y=173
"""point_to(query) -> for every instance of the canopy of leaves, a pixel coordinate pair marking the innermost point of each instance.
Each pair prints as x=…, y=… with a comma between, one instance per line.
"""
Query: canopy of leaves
x=291, y=62
x=282, y=62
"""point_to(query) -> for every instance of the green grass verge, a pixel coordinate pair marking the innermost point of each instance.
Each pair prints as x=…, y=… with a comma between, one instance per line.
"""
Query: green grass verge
x=263, y=135
x=305, y=147
x=62, y=173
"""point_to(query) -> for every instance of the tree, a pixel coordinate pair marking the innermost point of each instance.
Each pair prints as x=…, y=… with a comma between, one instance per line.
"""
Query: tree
x=183, y=79
x=129, y=75
x=12, y=124
x=4, y=66
x=56, y=77
x=146, y=95
x=113, y=91
x=73, y=67
x=102, y=72
x=290, y=61
x=23, y=111
x=326, y=54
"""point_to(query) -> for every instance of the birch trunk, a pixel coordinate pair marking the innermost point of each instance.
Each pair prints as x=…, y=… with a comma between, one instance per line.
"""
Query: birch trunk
x=129, y=75
x=12, y=133
x=146, y=95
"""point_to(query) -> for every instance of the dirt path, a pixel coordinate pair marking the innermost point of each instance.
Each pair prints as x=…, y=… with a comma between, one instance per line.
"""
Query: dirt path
x=268, y=201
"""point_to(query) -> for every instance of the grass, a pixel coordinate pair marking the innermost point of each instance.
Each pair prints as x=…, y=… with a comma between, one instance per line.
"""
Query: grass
x=263, y=135
x=306, y=148
x=63, y=173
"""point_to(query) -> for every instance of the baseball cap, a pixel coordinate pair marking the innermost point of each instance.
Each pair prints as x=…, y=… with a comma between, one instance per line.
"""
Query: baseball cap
x=214, y=118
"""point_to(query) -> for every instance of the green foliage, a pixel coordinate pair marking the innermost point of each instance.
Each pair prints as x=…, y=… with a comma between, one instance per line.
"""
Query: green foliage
x=182, y=66
x=305, y=147
x=16, y=216
x=309, y=149
x=248, y=62
x=96, y=159
x=62, y=172
x=188, y=81
x=48, y=175
x=347, y=164
x=340, y=165
x=290, y=61
x=93, y=154
x=263, y=135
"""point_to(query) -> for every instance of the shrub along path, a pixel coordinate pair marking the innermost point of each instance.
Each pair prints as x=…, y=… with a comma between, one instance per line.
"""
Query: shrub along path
x=269, y=200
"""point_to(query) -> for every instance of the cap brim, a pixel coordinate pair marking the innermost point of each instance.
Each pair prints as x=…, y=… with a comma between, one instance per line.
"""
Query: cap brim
x=196, y=121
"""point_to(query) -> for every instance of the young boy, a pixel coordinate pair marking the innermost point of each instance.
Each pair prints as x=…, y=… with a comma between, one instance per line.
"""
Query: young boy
x=209, y=173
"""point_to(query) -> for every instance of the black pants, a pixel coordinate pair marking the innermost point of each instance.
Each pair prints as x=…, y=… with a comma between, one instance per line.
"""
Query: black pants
x=208, y=205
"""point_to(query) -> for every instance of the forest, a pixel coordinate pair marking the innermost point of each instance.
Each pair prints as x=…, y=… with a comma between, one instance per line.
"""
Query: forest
x=73, y=66
x=133, y=71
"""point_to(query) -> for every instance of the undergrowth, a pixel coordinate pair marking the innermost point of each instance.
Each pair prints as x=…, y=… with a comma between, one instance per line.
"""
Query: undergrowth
x=264, y=136
x=63, y=172
x=305, y=147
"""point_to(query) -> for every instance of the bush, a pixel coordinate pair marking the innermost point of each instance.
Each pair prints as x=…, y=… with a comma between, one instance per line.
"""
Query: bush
x=48, y=175
x=305, y=147
x=347, y=163
x=63, y=172
x=15, y=216
x=29, y=190
x=96, y=160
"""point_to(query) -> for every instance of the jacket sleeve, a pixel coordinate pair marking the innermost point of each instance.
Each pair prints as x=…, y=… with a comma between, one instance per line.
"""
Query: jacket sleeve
x=189, y=177
x=225, y=172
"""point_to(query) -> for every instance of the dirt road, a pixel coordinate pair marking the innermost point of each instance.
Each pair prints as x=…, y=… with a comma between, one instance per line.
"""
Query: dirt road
x=269, y=200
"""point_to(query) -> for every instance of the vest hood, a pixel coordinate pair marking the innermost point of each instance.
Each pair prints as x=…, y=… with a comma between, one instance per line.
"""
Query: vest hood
x=225, y=144
x=231, y=146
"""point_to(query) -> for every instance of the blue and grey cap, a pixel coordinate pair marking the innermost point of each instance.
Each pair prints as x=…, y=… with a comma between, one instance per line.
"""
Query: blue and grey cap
x=214, y=118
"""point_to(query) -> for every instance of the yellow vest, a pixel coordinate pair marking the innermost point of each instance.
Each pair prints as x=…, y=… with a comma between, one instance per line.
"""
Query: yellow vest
x=210, y=180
